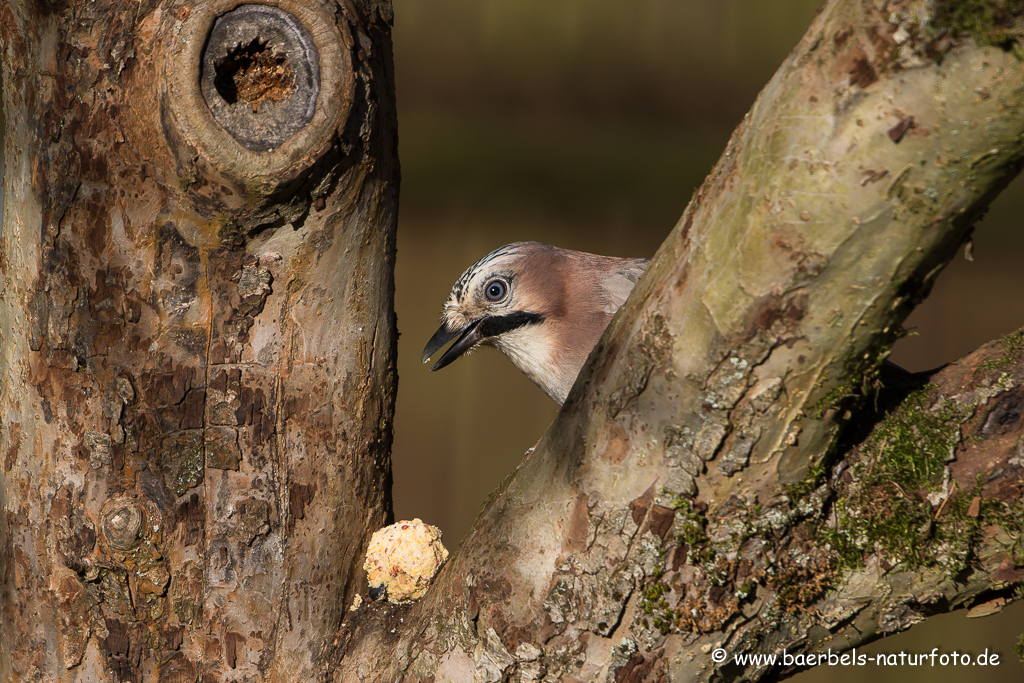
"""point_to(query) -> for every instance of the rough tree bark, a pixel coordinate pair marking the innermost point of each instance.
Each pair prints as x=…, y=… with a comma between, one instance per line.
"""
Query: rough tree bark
x=198, y=366
x=197, y=333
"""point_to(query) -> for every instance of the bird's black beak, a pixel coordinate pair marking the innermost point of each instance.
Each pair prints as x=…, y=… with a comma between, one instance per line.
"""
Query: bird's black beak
x=469, y=336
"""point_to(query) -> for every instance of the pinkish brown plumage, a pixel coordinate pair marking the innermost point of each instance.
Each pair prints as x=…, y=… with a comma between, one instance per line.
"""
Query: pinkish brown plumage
x=543, y=307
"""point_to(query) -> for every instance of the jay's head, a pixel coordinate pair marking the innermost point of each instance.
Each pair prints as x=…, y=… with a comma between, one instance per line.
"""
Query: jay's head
x=543, y=307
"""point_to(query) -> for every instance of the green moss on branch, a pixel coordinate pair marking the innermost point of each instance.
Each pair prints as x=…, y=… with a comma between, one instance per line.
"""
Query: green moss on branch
x=887, y=509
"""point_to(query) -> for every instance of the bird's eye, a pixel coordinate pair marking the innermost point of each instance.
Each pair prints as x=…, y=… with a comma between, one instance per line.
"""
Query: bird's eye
x=496, y=290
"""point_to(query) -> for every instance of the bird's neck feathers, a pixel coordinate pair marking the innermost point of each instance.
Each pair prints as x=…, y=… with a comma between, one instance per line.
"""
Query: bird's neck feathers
x=537, y=357
x=552, y=352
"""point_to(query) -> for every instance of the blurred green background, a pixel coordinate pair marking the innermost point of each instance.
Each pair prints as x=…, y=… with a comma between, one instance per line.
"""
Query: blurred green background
x=588, y=124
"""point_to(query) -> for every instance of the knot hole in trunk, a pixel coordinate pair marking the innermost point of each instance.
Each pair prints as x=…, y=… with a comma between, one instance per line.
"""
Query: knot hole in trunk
x=260, y=75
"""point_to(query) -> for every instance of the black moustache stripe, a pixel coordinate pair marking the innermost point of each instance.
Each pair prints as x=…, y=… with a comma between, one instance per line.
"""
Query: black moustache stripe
x=500, y=324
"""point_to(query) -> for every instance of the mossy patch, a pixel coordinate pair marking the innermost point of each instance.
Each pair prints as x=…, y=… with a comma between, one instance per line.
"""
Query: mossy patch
x=830, y=401
x=1013, y=347
x=989, y=22
x=692, y=523
x=800, y=579
x=888, y=510
x=810, y=482
x=701, y=605
x=654, y=604
x=1008, y=515
x=773, y=547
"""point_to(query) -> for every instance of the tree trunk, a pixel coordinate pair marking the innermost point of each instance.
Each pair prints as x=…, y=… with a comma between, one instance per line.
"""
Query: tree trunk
x=198, y=339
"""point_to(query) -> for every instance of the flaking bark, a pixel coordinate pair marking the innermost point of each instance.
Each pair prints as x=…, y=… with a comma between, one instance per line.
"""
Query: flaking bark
x=198, y=339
